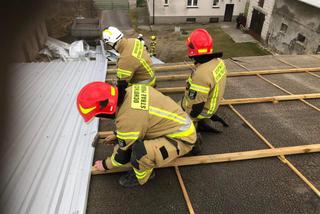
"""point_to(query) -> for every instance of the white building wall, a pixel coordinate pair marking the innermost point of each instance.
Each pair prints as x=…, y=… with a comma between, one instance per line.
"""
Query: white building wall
x=267, y=10
x=205, y=8
x=300, y=18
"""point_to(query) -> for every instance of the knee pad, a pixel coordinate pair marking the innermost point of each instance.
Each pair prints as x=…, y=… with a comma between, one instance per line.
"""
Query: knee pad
x=138, y=151
x=123, y=156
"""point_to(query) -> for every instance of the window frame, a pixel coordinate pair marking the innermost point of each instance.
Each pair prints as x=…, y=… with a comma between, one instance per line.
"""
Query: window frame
x=261, y=3
x=214, y=18
x=217, y=5
x=283, y=31
x=192, y=4
x=318, y=49
x=191, y=19
x=300, y=36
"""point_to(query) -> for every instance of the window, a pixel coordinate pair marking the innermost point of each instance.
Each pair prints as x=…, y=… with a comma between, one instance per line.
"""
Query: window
x=166, y=3
x=283, y=28
x=301, y=38
x=191, y=20
x=318, y=50
x=215, y=3
x=192, y=3
x=261, y=3
x=213, y=20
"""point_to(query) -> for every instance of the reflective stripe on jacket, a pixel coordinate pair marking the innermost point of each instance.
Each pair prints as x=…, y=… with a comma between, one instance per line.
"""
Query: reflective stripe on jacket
x=134, y=64
x=148, y=114
x=206, y=85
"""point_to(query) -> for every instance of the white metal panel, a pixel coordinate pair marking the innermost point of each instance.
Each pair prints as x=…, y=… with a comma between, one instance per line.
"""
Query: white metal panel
x=156, y=60
x=48, y=152
x=315, y=3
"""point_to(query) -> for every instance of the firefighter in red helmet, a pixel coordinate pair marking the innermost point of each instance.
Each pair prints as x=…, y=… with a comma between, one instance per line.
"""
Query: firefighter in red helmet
x=151, y=129
x=206, y=84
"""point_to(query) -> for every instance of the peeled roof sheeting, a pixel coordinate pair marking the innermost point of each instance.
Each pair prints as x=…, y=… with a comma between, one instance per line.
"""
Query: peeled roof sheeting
x=47, y=154
x=315, y=3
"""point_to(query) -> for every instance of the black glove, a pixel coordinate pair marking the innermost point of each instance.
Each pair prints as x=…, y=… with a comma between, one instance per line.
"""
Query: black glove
x=196, y=109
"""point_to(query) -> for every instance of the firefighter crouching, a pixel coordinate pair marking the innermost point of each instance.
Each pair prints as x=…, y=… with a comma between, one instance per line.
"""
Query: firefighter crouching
x=206, y=84
x=153, y=45
x=134, y=64
x=151, y=129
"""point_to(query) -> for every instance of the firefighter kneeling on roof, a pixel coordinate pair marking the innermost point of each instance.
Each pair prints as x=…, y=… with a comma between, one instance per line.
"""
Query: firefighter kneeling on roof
x=206, y=85
x=134, y=64
x=151, y=129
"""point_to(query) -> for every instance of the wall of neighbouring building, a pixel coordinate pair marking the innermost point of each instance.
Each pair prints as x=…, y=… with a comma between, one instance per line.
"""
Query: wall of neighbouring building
x=300, y=18
x=266, y=9
x=32, y=40
x=177, y=11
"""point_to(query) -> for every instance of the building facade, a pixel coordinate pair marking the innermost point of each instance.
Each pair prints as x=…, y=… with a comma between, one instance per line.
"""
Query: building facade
x=259, y=17
x=194, y=11
x=287, y=26
x=295, y=27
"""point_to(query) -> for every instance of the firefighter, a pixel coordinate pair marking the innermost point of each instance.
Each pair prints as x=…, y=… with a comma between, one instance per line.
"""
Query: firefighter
x=206, y=84
x=134, y=64
x=153, y=45
x=140, y=37
x=151, y=129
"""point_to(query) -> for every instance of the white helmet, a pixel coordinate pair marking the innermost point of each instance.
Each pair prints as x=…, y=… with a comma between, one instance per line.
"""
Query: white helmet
x=140, y=36
x=111, y=35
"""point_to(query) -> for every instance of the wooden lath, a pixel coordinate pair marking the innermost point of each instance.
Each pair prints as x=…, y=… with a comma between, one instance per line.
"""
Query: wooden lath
x=162, y=67
x=251, y=101
x=272, y=152
x=280, y=156
x=281, y=88
x=174, y=77
x=227, y=157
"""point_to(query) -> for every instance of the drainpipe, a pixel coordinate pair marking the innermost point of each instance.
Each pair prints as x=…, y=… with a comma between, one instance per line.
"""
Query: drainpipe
x=153, y=12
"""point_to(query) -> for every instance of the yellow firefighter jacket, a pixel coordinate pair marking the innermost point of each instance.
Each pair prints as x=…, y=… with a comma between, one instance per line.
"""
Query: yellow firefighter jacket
x=206, y=84
x=134, y=63
x=147, y=114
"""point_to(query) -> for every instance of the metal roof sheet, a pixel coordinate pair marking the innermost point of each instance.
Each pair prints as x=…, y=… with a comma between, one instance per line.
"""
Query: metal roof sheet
x=48, y=152
x=156, y=60
x=315, y=3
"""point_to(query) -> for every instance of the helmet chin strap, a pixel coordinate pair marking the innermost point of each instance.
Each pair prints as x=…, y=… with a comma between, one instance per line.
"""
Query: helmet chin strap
x=112, y=45
x=115, y=46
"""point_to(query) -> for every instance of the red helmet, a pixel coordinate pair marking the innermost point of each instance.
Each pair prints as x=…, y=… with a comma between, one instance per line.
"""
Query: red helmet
x=97, y=98
x=199, y=43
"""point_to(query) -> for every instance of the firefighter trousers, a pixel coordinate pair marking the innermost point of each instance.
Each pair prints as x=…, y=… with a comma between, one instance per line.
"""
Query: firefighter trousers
x=145, y=155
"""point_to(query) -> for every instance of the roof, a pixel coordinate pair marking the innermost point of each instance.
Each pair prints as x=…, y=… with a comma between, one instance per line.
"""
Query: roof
x=315, y=3
x=251, y=186
x=155, y=60
x=48, y=153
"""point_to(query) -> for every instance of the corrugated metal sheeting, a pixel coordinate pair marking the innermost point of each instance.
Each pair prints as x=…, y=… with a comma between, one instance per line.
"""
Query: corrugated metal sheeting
x=47, y=156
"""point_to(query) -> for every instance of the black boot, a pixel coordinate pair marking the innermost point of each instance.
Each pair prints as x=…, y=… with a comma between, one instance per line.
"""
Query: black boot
x=197, y=146
x=204, y=126
x=130, y=180
x=219, y=119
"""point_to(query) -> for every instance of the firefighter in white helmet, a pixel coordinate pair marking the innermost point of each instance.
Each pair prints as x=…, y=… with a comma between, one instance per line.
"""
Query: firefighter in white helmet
x=134, y=64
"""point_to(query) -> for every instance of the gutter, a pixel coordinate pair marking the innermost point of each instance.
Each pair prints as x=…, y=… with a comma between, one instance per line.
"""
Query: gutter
x=153, y=12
